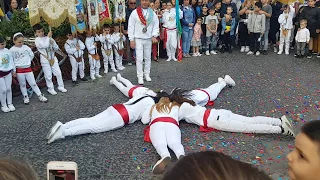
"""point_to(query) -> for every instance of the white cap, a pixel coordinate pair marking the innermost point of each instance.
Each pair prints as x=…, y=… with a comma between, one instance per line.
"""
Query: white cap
x=17, y=34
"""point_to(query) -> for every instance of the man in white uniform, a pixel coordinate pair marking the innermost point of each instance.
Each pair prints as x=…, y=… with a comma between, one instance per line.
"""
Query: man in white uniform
x=143, y=30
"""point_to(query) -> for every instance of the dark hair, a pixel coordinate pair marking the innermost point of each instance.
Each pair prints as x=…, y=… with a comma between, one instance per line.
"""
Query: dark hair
x=258, y=4
x=115, y=24
x=69, y=32
x=213, y=165
x=312, y=130
x=180, y=96
x=106, y=26
x=285, y=6
x=18, y=36
x=2, y=40
x=215, y=3
x=37, y=27
x=156, y=98
x=13, y=170
x=204, y=5
x=212, y=9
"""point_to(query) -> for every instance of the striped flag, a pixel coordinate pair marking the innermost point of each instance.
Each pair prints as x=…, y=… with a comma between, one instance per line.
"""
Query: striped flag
x=179, y=30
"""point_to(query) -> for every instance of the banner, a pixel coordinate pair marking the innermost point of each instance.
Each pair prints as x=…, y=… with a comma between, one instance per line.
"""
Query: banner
x=93, y=14
x=54, y=12
x=119, y=11
x=1, y=13
x=104, y=12
x=80, y=25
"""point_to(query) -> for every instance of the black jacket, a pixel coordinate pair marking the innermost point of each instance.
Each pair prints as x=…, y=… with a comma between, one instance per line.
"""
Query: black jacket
x=312, y=15
x=128, y=13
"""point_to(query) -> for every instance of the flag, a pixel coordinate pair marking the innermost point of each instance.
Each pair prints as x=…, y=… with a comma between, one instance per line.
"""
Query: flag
x=119, y=11
x=179, y=31
x=80, y=26
x=93, y=14
x=104, y=12
x=1, y=13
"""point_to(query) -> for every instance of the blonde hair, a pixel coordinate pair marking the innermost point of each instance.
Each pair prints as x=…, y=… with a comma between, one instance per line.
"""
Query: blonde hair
x=304, y=21
x=15, y=170
x=164, y=105
x=247, y=1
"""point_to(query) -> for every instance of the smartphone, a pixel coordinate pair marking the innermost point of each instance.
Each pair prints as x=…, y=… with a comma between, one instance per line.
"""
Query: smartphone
x=62, y=170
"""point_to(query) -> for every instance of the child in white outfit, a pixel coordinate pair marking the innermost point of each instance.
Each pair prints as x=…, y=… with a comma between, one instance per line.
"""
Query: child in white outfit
x=94, y=58
x=118, y=39
x=302, y=38
x=285, y=21
x=106, y=48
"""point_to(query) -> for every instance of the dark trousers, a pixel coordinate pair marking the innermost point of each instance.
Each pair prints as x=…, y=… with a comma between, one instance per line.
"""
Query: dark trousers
x=274, y=29
x=227, y=41
x=301, y=47
x=244, y=38
x=254, y=43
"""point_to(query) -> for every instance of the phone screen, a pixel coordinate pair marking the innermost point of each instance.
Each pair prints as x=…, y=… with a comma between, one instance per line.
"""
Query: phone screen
x=61, y=175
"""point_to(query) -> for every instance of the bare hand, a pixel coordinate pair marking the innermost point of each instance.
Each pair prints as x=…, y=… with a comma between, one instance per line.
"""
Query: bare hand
x=95, y=44
x=50, y=34
x=154, y=40
x=132, y=44
x=77, y=48
x=190, y=24
x=307, y=42
x=318, y=30
x=125, y=32
x=261, y=12
x=121, y=35
x=14, y=75
x=248, y=32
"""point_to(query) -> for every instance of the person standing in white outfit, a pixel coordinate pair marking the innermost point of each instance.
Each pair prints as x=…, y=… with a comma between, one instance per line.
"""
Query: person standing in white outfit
x=118, y=39
x=225, y=120
x=285, y=21
x=75, y=49
x=106, y=48
x=302, y=38
x=22, y=57
x=6, y=67
x=47, y=47
x=94, y=58
x=170, y=30
x=143, y=30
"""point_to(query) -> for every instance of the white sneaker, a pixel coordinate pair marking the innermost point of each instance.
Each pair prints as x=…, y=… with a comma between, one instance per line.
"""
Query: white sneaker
x=286, y=53
x=247, y=49
x=286, y=125
x=42, y=98
x=207, y=53
x=53, y=129
x=114, y=70
x=140, y=81
x=112, y=80
x=52, y=92
x=119, y=76
x=199, y=54
x=275, y=49
x=195, y=55
x=257, y=53
x=280, y=52
x=11, y=107
x=92, y=77
x=169, y=59
x=174, y=58
x=5, y=109
x=147, y=77
x=250, y=52
x=106, y=72
x=26, y=100
x=121, y=68
x=58, y=134
x=62, y=89
x=158, y=168
x=98, y=76
x=213, y=52
x=243, y=48
x=220, y=79
x=229, y=81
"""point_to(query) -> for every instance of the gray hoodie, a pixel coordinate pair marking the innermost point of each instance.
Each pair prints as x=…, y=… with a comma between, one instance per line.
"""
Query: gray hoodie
x=256, y=23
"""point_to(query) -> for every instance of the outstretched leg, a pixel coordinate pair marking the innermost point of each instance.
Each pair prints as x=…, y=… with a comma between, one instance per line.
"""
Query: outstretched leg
x=120, y=86
x=173, y=135
x=125, y=81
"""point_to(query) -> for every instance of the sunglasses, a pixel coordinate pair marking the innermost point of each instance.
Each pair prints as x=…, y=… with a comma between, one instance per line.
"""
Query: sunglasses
x=132, y=3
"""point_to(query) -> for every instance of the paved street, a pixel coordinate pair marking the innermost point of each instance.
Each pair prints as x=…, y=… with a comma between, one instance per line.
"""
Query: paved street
x=271, y=85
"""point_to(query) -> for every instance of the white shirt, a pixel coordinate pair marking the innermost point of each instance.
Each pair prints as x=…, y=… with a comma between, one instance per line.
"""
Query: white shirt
x=22, y=56
x=143, y=91
x=116, y=39
x=146, y=118
x=6, y=60
x=303, y=35
x=136, y=110
x=192, y=114
x=169, y=18
x=199, y=97
x=90, y=44
x=135, y=27
x=46, y=46
x=286, y=23
x=107, y=41
x=70, y=47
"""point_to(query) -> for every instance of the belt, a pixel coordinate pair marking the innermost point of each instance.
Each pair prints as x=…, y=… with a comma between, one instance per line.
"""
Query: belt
x=160, y=119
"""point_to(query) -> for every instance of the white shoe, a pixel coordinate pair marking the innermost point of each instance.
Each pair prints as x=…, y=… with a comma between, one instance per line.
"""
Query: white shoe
x=280, y=52
x=169, y=59
x=174, y=58
x=106, y=72
x=229, y=81
x=98, y=76
x=119, y=76
x=158, y=168
x=140, y=81
x=250, y=52
x=147, y=77
x=42, y=98
x=52, y=92
x=247, y=49
x=92, y=77
x=26, y=100
x=220, y=79
x=11, y=107
x=286, y=53
x=275, y=49
x=58, y=134
x=207, y=53
x=5, y=109
x=257, y=53
x=121, y=68
x=286, y=125
x=114, y=70
x=199, y=54
x=213, y=52
x=62, y=89
x=53, y=129
x=243, y=48
x=112, y=80
x=195, y=55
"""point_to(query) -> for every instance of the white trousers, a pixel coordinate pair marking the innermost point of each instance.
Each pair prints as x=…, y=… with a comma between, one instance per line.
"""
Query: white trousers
x=5, y=90
x=94, y=66
x=225, y=120
x=163, y=134
x=143, y=52
x=23, y=78
x=215, y=89
x=49, y=70
x=284, y=41
x=106, y=60
x=118, y=59
x=123, y=88
x=75, y=66
x=107, y=120
x=171, y=44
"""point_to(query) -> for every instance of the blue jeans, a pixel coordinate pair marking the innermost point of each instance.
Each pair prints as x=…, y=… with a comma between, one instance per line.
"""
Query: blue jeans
x=212, y=40
x=186, y=41
x=265, y=40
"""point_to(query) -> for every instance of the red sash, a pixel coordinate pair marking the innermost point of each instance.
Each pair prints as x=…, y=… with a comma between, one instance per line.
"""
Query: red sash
x=123, y=112
x=205, y=127
x=141, y=17
x=166, y=36
x=146, y=130
x=209, y=103
x=23, y=70
x=130, y=92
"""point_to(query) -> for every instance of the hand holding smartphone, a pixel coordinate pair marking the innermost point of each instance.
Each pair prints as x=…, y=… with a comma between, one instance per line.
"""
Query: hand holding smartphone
x=62, y=170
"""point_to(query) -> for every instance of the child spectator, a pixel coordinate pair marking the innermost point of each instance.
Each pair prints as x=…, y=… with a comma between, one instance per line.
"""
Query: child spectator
x=244, y=39
x=196, y=38
x=266, y=10
x=302, y=39
x=118, y=39
x=106, y=48
x=228, y=26
x=93, y=56
x=204, y=16
x=285, y=21
x=211, y=32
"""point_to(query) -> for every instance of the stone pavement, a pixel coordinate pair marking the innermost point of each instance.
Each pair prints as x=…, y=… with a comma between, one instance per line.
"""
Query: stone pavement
x=271, y=85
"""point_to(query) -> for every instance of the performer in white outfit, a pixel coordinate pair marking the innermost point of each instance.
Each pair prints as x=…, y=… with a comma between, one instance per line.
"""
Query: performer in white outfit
x=118, y=39
x=170, y=30
x=47, y=47
x=113, y=117
x=106, y=48
x=143, y=30
x=94, y=58
x=75, y=47
x=130, y=90
x=286, y=24
x=22, y=57
x=225, y=120
x=6, y=67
